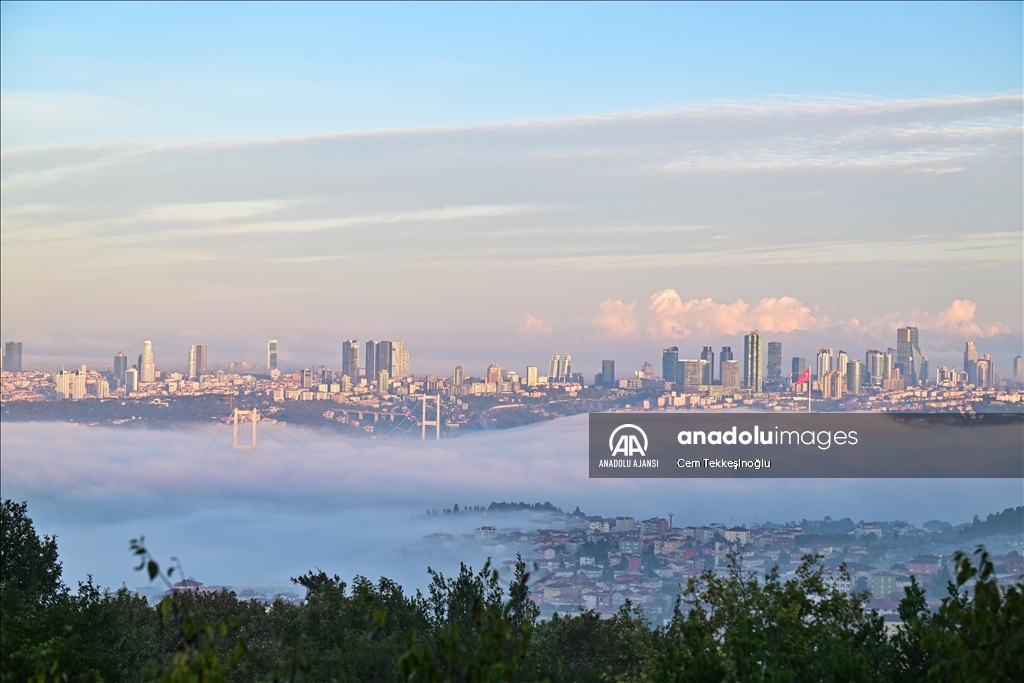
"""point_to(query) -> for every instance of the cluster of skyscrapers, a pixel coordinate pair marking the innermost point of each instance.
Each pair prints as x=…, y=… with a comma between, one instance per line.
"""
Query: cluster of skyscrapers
x=381, y=361
x=761, y=367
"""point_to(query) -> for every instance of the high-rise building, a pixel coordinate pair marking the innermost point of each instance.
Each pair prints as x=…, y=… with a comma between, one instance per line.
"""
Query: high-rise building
x=493, y=374
x=773, y=369
x=12, y=356
x=200, y=360
x=78, y=383
x=370, y=356
x=724, y=355
x=908, y=355
x=102, y=389
x=457, y=376
x=147, y=369
x=691, y=372
x=608, y=373
x=824, y=362
x=831, y=384
x=399, y=360
x=385, y=353
x=753, y=361
x=271, y=354
x=878, y=367
x=63, y=381
x=708, y=356
x=669, y=358
x=383, y=380
x=647, y=371
x=553, y=366
x=840, y=363
x=120, y=368
x=131, y=380
x=971, y=363
x=1018, y=368
x=730, y=375
x=307, y=378
x=531, y=375
x=797, y=367
x=350, y=358
x=565, y=368
x=986, y=372
x=191, y=373
x=854, y=376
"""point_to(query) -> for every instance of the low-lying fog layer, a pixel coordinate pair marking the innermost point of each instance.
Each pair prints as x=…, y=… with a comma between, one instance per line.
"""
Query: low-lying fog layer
x=307, y=499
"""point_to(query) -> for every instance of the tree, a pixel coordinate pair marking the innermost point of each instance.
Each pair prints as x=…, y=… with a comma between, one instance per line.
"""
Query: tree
x=977, y=637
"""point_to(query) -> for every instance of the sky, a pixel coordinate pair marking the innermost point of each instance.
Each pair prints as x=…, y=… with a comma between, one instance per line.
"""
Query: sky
x=496, y=183
x=306, y=498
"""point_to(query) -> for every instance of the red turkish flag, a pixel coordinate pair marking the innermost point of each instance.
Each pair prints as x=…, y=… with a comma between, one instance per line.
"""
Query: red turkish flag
x=806, y=377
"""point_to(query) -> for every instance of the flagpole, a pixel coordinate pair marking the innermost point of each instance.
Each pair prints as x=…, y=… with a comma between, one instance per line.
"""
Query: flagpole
x=808, y=394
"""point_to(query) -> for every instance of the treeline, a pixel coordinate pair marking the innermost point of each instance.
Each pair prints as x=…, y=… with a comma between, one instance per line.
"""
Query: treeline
x=546, y=506
x=471, y=627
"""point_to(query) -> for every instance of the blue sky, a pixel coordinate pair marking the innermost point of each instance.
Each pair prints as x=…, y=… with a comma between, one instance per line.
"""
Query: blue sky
x=85, y=72
x=497, y=182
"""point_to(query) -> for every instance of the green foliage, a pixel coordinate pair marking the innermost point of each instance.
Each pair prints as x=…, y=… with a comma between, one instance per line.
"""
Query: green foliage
x=803, y=629
x=977, y=637
x=725, y=627
x=476, y=636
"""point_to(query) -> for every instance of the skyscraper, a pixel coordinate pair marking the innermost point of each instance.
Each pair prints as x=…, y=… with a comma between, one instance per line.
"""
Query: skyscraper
x=708, y=355
x=823, y=362
x=12, y=356
x=840, y=363
x=797, y=367
x=457, y=376
x=385, y=352
x=985, y=372
x=669, y=358
x=608, y=373
x=120, y=368
x=878, y=366
x=565, y=368
x=691, y=372
x=131, y=380
x=723, y=356
x=147, y=371
x=753, y=361
x=493, y=374
x=271, y=354
x=1018, y=368
x=191, y=371
x=531, y=375
x=63, y=381
x=773, y=371
x=730, y=375
x=78, y=383
x=971, y=362
x=909, y=359
x=370, y=357
x=350, y=358
x=200, y=360
x=553, y=366
x=399, y=360
x=854, y=376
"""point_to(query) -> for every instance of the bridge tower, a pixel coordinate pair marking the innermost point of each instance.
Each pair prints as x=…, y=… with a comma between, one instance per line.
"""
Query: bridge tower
x=241, y=416
x=436, y=422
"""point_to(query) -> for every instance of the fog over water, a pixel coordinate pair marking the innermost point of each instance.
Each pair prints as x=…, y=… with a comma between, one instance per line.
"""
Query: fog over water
x=308, y=499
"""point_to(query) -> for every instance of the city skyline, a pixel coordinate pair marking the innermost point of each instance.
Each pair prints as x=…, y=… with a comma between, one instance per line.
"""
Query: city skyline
x=755, y=369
